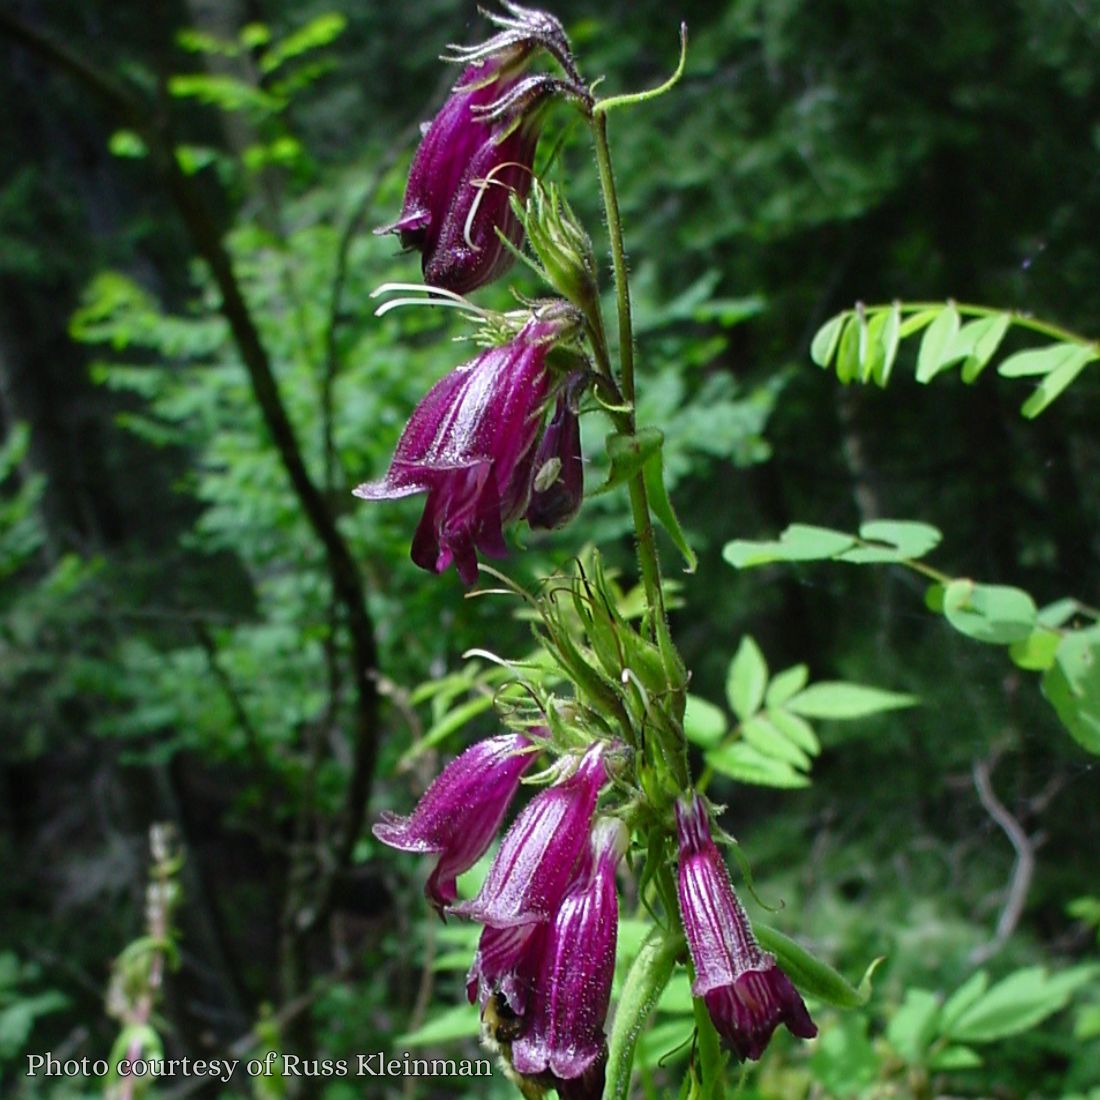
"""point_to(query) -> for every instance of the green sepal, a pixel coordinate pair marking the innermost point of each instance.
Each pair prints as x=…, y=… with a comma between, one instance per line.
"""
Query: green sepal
x=811, y=975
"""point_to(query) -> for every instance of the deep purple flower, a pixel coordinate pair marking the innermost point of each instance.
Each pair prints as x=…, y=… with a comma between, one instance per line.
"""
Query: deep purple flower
x=461, y=811
x=746, y=993
x=558, y=469
x=462, y=175
x=468, y=445
x=563, y=1034
x=538, y=853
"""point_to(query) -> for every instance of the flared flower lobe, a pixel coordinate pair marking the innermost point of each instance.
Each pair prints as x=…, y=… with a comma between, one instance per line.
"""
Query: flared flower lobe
x=459, y=814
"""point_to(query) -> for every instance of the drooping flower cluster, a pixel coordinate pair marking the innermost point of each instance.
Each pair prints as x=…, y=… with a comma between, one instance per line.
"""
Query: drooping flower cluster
x=473, y=443
x=486, y=450
x=479, y=151
x=746, y=993
x=548, y=906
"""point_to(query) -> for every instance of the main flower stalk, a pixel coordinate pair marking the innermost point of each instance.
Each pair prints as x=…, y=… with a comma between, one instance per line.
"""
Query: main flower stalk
x=648, y=561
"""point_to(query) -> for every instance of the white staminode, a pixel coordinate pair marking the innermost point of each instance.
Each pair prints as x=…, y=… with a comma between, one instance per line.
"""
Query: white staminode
x=426, y=296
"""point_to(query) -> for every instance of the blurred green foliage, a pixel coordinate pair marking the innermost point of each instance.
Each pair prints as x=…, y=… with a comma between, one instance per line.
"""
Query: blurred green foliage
x=169, y=645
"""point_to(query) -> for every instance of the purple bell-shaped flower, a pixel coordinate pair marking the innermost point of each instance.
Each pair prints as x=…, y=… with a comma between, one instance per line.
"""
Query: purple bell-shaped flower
x=529, y=876
x=745, y=992
x=468, y=445
x=563, y=1035
x=461, y=811
x=470, y=160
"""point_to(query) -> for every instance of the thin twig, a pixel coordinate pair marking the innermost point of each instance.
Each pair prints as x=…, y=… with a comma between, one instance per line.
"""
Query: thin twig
x=1022, y=872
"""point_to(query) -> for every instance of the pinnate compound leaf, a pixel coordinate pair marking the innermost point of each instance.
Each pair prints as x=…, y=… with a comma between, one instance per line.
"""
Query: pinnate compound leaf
x=748, y=764
x=747, y=679
x=838, y=700
x=994, y=613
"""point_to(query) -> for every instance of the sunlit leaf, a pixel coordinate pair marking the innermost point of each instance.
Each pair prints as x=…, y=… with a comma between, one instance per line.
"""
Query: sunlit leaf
x=839, y=701
x=993, y=613
x=935, y=345
x=799, y=542
x=825, y=341
x=747, y=764
x=704, y=723
x=747, y=679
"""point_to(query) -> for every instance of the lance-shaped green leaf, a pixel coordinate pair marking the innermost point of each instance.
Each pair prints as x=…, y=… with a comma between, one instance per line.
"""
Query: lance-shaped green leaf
x=982, y=338
x=661, y=505
x=826, y=340
x=890, y=339
x=1019, y=1002
x=838, y=700
x=811, y=975
x=704, y=723
x=748, y=764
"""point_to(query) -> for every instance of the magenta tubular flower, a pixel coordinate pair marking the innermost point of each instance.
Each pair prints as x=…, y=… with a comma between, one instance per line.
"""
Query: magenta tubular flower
x=450, y=213
x=558, y=469
x=745, y=992
x=461, y=811
x=468, y=445
x=563, y=1034
x=538, y=853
